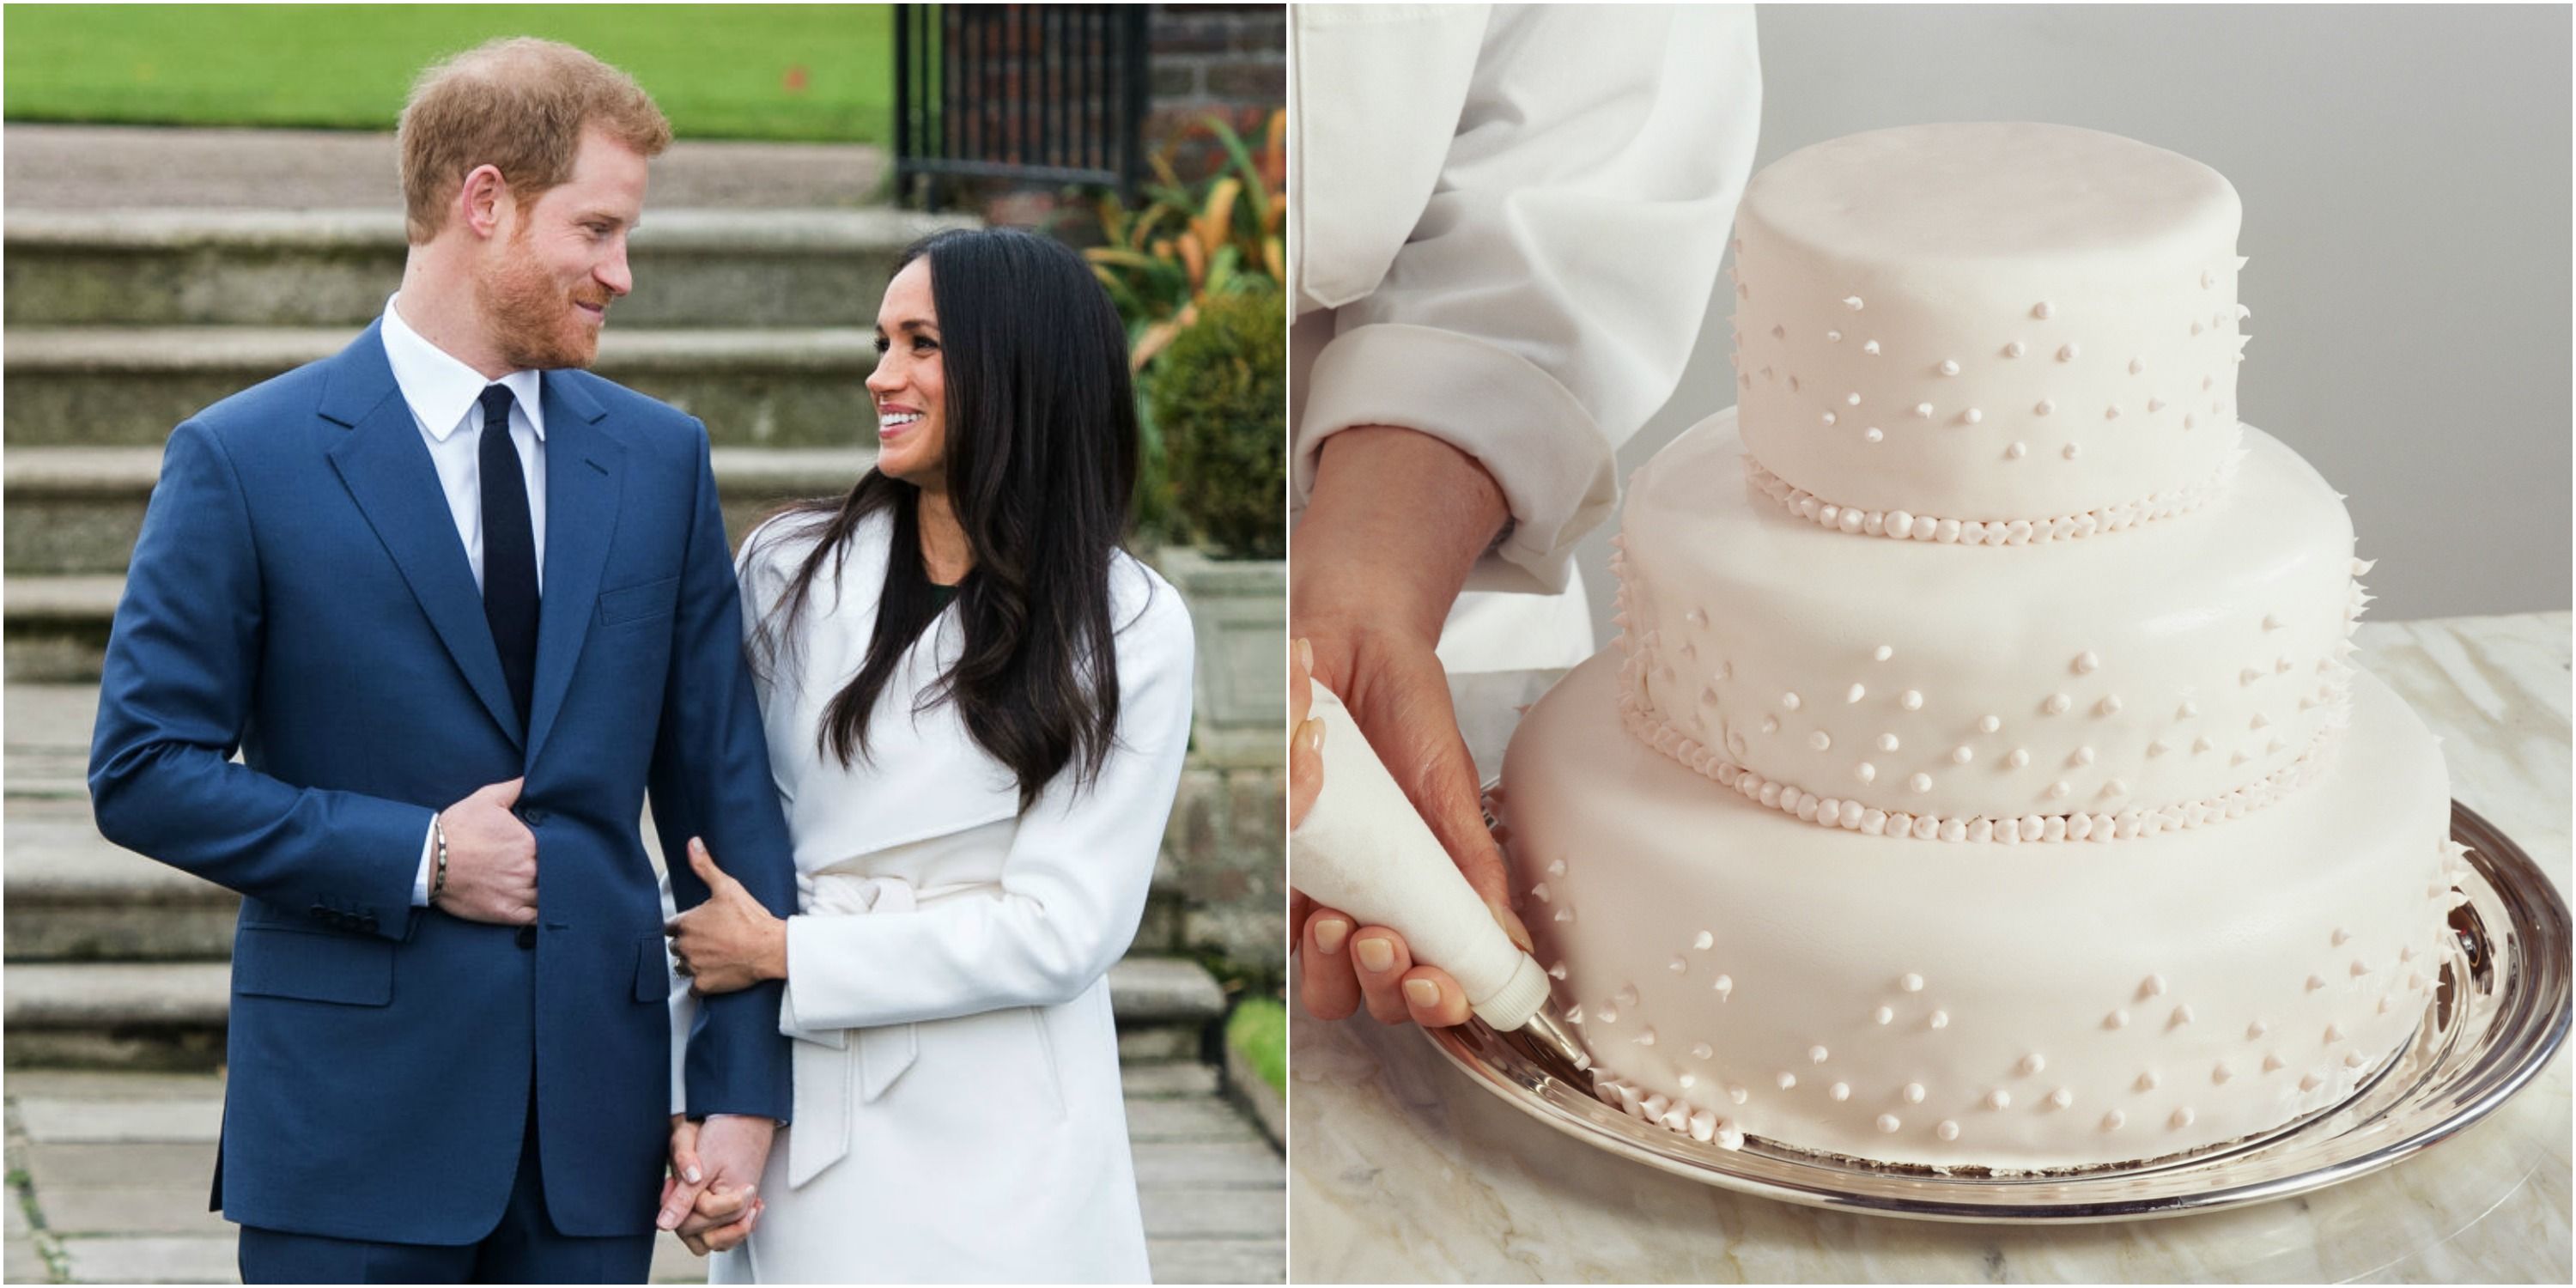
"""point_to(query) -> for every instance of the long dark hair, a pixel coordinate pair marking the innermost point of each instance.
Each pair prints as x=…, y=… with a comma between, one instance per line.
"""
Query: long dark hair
x=1041, y=470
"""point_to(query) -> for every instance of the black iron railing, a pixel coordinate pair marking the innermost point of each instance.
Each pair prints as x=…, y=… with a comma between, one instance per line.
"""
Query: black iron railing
x=1018, y=93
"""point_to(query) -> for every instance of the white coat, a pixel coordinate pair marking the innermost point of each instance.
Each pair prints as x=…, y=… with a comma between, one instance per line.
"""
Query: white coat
x=1505, y=225
x=958, y=1109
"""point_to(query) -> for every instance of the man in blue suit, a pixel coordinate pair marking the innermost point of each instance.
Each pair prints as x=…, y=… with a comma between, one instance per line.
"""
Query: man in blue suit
x=457, y=603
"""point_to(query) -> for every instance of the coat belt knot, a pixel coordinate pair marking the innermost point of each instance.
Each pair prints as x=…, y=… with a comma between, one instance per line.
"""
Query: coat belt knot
x=841, y=1068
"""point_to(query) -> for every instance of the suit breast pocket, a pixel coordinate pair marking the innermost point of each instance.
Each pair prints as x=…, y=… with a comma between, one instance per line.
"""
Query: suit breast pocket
x=313, y=966
x=645, y=602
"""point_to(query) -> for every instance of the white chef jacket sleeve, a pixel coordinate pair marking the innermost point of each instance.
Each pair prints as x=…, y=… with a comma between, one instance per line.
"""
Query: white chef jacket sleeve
x=1073, y=885
x=1547, y=299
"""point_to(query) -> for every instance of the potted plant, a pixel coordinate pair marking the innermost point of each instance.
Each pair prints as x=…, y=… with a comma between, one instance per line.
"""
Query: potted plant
x=1184, y=244
x=1218, y=394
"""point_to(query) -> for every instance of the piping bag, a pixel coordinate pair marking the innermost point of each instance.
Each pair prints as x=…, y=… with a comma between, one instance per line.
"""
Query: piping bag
x=1363, y=849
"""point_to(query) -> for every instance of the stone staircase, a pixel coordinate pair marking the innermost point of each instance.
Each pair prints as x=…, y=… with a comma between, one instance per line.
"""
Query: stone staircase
x=122, y=320
x=116, y=961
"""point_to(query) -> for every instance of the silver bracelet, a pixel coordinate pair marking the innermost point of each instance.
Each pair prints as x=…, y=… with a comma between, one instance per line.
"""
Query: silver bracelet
x=438, y=879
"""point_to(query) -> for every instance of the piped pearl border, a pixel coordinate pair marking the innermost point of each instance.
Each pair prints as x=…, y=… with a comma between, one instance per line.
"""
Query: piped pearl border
x=1704, y=1125
x=1649, y=726
x=1854, y=816
x=1682, y=1117
x=1904, y=525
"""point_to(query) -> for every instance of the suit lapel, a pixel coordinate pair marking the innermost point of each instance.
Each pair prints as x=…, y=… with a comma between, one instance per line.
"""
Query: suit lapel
x=387, y=470
x=583, y=466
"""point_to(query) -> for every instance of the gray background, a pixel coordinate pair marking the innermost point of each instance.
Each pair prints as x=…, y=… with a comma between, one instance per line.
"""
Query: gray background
x=2405, y=178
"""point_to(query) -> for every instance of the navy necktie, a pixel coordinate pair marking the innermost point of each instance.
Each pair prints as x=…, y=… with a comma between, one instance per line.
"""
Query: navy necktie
x=509, y=553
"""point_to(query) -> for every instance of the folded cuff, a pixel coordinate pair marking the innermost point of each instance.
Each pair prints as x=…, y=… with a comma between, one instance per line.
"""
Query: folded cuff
x=1539, y=444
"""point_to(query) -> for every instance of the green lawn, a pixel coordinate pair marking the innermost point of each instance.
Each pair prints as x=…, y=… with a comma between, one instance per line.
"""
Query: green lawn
x=818, y=72
x=1259, y=1029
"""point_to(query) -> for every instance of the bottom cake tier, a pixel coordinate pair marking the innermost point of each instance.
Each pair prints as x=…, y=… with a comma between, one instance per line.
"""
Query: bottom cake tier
x=1739, y=973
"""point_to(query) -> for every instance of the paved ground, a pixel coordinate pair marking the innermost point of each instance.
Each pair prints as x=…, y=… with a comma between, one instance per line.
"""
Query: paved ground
x=108, y=1177
x=90, y=166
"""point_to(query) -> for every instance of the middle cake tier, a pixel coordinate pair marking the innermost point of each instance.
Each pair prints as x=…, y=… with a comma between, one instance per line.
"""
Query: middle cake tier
x=2167, y=676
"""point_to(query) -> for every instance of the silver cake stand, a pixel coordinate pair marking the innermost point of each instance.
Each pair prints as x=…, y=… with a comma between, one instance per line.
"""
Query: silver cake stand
x=2499, y=1011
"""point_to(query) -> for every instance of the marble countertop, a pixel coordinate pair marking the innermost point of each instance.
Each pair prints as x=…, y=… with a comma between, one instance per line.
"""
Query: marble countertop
x=1401, y=1170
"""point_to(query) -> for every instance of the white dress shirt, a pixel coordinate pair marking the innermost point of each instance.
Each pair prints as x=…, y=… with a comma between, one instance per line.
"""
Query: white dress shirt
x=445, y=397
x=1505, y=228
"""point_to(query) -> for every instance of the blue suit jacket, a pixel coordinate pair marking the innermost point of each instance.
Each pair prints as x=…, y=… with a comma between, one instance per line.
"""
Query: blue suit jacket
x=299, y=595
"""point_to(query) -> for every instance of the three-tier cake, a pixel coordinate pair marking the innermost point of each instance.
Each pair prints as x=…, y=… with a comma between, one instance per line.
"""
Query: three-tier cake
x=1982, y=778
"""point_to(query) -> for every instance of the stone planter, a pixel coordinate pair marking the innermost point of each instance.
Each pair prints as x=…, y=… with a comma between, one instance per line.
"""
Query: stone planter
x=1240, y=609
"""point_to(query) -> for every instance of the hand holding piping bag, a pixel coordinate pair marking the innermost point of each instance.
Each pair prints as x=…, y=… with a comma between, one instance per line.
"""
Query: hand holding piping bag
x=1361, y=847
x=1338, y=969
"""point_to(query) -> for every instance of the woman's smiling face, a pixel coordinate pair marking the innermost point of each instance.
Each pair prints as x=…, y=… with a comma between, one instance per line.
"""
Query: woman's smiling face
x=909, y=385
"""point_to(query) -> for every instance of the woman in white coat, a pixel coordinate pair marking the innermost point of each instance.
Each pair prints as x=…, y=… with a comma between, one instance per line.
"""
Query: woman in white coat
x=977, y=708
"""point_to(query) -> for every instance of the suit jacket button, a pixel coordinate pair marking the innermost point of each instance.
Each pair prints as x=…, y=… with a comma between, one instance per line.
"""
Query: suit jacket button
x=527, y=936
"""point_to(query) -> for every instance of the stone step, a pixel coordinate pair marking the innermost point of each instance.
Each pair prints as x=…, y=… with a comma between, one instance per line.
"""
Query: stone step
x=89, y=167
x=113, y=1165
x=67, y=888
x=334, y=268
x=127, y=386
x=55, y=629
x=72, y=896
x=77, y=510
x=170, y=1015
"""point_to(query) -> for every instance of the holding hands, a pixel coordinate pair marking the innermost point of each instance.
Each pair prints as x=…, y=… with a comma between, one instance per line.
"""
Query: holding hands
x=730, y=941
x=712, y=1197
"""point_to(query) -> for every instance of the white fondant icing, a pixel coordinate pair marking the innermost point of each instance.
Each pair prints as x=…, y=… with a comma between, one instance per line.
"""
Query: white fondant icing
x=1950, y=231
x=2233, y=918
x=2165, y=613
x=2115, y=250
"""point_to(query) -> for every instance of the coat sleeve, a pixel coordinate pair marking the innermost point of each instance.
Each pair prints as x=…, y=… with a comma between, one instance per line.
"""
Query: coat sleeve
x=1073, y=885
x=175, y=697
x=1548, y=297
x=711, y=779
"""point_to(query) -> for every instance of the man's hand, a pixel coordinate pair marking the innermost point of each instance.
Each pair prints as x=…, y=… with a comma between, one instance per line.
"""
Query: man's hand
x=730, y=941
x=1395, y=521
x=721, y=1206
x=491, y=859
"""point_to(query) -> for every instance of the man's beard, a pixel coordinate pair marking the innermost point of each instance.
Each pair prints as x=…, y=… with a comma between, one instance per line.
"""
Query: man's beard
x=528, y=314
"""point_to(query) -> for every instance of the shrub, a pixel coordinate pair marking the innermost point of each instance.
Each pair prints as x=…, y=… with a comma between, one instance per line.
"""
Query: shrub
x=1219, y=398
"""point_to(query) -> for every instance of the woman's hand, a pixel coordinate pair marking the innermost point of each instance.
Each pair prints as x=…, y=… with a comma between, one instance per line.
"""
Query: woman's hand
x=1396, y=520
x=707, y=1218
x=729, y=942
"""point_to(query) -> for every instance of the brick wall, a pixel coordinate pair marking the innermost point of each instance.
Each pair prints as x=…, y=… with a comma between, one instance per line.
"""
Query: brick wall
x=1220, y=60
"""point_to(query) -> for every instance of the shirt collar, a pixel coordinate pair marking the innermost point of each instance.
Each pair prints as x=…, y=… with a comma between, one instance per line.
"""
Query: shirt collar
x=441, y=389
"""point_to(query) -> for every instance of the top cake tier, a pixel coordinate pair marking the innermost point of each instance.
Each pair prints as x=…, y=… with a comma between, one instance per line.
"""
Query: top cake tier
x=1989, y=322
